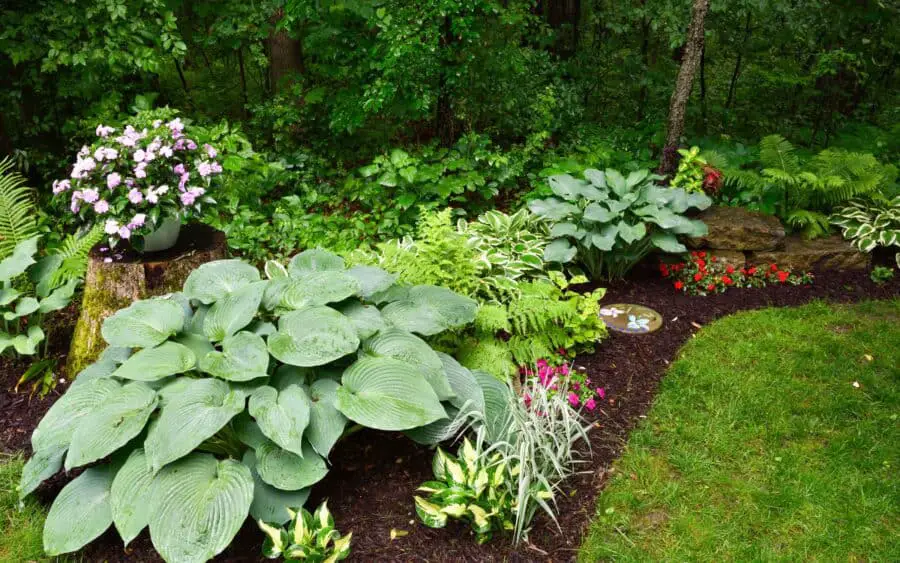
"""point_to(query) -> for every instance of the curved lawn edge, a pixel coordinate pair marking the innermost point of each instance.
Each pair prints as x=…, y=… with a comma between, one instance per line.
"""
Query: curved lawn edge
x=774, y=436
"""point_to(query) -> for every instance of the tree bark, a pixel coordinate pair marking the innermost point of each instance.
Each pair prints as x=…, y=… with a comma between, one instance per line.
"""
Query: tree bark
x=737, y=64
x=683, y=84
x=645, y=61
x=285, y=53
x=445, y=125
x=110, y=286
x=703, y=88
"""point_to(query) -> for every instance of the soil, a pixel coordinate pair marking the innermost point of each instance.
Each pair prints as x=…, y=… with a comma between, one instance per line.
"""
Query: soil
x=370, y=487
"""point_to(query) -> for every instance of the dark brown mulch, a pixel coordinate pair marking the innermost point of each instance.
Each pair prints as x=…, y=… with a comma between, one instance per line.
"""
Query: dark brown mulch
x=371, y=485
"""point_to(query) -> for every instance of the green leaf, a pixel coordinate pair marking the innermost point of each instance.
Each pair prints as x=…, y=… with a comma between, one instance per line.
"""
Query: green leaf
x=371, y=280
x=598, y=213
x=21, y=258
x=318, y=288
x=631, y=233
x=552, y=209
x=387, y=394
x=313, y=337
x=326, y=423
x=247, y=431
x=233, y=312
x=314, y=260
x=55, y=430
x=563, y=230
x=143, y=324
x=130, y=496
x=429, y=513
x=560, y=250
x=244, y=356
x=497, y=403
x=566, y=186
x=467, y=391
x=401, y=345
x=41, y=466
x=113, y=424
x=282, y=415
x=152, y=364
x=24, y=307
x=606, y=238
x=214, y=280
x=198, y=505
x=428, y=310
x=667, y=242
x=271, y=504
x=80, y=513
x=367, y=319
x=59, y=298
x=288, y=471
x=197, y=343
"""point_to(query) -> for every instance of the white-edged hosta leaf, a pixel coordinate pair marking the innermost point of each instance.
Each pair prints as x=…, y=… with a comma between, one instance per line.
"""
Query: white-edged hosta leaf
x=243, y=357
x=121, y=417
x=270, y=504
x=214, y=280
x=198, y=505
x=428, y=310
x=55, y=430
x=143, y=324
x=313, y=337
x=234, y=311
x=282, y=415
x=371, y=279
x=318, y=288
x=188, y=419
x=130, y=496
x=41, y=466
x=406, y=347
x=80, y=512
x=152, y=364
x=366, y=318
x=326, y=423
x=387, y=394
x=286, y=470
x=314, y=260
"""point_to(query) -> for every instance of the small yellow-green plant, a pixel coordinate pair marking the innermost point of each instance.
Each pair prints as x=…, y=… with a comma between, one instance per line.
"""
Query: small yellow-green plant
x=309, y=537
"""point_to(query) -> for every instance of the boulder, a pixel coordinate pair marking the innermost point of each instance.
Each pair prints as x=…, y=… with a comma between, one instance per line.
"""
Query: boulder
x=734, y=258
x=801, y=255
x=736, y=228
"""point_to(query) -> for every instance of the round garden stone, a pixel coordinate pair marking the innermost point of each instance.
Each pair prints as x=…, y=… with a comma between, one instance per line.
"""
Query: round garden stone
x=630, y=319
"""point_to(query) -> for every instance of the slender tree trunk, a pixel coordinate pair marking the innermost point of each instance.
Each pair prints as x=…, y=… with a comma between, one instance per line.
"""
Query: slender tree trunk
x=737, y=64
x=445, y=125
x=683, y=84
x=645, y=61
x=285, y=53
x=703, y=88
x=240, y=55
x=184, y=83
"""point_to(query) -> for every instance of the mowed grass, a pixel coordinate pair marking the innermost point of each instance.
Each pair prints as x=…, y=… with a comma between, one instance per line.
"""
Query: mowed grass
x=20, y=527
x=761, y=447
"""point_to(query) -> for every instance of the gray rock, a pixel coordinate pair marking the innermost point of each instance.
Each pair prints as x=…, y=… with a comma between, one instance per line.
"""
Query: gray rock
x=801, y=255
x=735, y=228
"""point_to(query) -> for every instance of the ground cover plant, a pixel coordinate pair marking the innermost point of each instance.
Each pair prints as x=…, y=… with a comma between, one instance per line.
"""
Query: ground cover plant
x=703, y=273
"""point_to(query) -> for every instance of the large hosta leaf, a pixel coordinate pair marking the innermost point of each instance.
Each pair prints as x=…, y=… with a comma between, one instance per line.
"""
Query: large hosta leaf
x=198, y=505
x=282, y=415
x=80, y=512
x=366, y=318
x=152, y=364
x=440, y=430
x=428, y=310
x=560, y=250
x=288, y=471
x=143, y=324
x=55, y=430
x=371, y=279
x=112, y=424
x=387, y=394
x=313, y=337
x=233, y=312
x=130, y=496
x=214, y=280
x=497, y=403
x=566, y=186
x=552, y=208
x=314, y=260
x=41, y=466
x=270, y=504
x=403, y=346
x=201, y=409
x=247, y=430
x=318, y=288
x=326, y=423
x=467, y=391
x=243, y=357
x=667, y=242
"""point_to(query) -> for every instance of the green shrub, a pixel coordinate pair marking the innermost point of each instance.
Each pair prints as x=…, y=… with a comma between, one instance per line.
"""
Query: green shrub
x=689, y=175
x=869, y=224
x=309, y=537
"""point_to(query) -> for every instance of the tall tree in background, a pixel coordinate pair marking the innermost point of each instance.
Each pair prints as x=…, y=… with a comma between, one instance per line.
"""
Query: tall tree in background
x=690, y=61
x=285, y=52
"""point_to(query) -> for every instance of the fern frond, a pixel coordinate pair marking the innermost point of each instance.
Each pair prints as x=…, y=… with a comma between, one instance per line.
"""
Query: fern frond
x=777, y=152
x=810, y=223
x=74, y=254
x=17, y=211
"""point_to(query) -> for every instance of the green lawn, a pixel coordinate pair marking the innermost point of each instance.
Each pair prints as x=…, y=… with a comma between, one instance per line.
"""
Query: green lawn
x=20, y=529
x=761, y=446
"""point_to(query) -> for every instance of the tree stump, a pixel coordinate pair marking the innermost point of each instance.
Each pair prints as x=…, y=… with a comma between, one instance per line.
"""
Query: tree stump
x=115, y=280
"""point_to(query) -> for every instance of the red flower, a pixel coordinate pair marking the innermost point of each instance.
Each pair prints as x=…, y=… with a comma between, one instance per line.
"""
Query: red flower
x=751, y=270
x=783, y=276
x=698, y=277
x=701, y=263
x=694, y=253
x=664, y=270
x=679, y=285
x=727, y=281
x=773, y=268
x=701, y=254
x=711, y=287
x=714, y=259
x=729, y=269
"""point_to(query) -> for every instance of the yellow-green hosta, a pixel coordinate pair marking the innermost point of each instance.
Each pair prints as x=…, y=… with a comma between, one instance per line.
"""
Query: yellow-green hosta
x=308, y=537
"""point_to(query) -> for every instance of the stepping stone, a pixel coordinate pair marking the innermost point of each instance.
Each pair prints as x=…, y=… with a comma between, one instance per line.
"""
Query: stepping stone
x=631, y=319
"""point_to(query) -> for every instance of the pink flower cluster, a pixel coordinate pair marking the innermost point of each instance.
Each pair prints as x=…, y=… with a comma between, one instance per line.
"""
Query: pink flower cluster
x=124, y=180
x=554, y=377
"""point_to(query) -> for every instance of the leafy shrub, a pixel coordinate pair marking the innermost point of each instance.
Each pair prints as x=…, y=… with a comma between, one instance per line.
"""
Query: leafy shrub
x=689, y=175
x=510, y=246
x=311, y=538
x=881, y=274
x=237, y=392
x=869, y=224
x=609, y=222
x=16, y=209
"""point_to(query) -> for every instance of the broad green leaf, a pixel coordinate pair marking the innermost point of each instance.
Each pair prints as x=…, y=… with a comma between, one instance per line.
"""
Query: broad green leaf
x=288, y=471
x=566, y=186
x=401, y=345
x=616, y=182
x=247, y=430
x=371, y=280
x=429, y=513
x=442, y=429
x=197, y=343
x=387, y=394
x=8, y=295
x=59, y=298
x=552, y=209
x=326, y=423
x=606, y=238
x=130, y=496
x=24, y=307
x=467, y=391
x=318, y=288
x=152, y=364
x=41, y=466
x=596, y=177
x=667, y=242
x=21, y=258
x=428, y=310
x=214, y=280
x=598, y=214
x=560, y=250
x=366, y=318
x=233, y=312
x=313, y=337
x=563, y=230
x=80, y=512
x=26, y=344
x=198, y=505
x=631, y=233
x=55, y=430
x=274, y=270
x=282, y=415
x=497, y=403
x=121, y=417
x=244, y=356
x=143, y=324
x=270, y=504
x=314, y=260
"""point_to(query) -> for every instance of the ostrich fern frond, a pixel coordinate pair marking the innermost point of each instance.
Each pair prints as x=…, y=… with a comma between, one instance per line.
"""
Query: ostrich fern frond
x=74, y=255
x=17, y=211
x=777, y=152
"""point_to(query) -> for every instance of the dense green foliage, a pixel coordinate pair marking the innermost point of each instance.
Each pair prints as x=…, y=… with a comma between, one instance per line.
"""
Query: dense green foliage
x=309, y=537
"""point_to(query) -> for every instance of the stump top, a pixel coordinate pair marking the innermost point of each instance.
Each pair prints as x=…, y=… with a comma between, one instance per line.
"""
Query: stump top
x=194, y=238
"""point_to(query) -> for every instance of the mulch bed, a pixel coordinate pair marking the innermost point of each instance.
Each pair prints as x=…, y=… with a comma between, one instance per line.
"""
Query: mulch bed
x=370, y=487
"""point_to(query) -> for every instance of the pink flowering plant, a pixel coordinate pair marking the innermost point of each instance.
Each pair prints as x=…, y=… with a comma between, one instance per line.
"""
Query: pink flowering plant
x=131, y=179
x=575, y=383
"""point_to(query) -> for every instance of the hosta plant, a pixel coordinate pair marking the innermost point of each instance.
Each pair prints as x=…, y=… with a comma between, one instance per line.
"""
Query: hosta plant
x=868, y=225
x=609, y=222
x=311, y=538
x=226, y=399
x=508, y=246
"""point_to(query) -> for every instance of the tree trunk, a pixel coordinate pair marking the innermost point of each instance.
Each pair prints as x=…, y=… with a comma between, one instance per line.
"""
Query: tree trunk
x=703, y=89
x=645, y=61
x=112, y=286
x=737, y=64
x=683, y=84
x=285, y=53
x=444, y=122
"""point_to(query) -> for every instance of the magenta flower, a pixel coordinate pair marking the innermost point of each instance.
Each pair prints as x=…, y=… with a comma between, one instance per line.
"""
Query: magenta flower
x=204, y=169
x=590, y=404
x=573, y=399
x=601, y=392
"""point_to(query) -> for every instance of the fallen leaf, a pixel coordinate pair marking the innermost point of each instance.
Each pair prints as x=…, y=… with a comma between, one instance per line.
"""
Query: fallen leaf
x=856, y=384
x=868, y=357
x=695, y=325
x=395, y=533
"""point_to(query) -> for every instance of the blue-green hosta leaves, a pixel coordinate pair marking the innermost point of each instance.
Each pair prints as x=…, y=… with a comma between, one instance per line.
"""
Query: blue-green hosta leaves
x=271, y=504
x=598, y=213
x=21, y=258
x=326, y=423
x=41, y=466
x=567, y=187
x=59, y=297
x=366, y=318
x=282, y=415
x=313, y=337
x=152, y=364
x=428, y=310
x=25, y=344
x=244, y=356
x=112, y=424
x=632, y=233
x=143, y=324
x=234, y=311
x=318, y=288
x=371, y=279
x=288, y=471
x=667, y=242
x=468, y=401
x=56, y=428
x=401, y=345
x=314, y=260
x=130, y=496
x=552, y=209
x=189, y=418
x=497, y=404
x=560, y=250
x=198, y=504
x=80, y=513
x=387, y=394
x=214, y=280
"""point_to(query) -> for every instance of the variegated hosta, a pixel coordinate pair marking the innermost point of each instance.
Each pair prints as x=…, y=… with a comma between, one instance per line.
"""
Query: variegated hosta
x=510, y=246
x=309, y=537
x=871, y=224
x=609, y=222
x=226, y=399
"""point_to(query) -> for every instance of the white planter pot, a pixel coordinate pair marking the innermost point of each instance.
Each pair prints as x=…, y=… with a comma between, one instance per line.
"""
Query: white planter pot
x=164, y=237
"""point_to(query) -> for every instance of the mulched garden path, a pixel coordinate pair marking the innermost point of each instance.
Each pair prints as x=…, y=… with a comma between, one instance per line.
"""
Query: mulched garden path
x=371, y=485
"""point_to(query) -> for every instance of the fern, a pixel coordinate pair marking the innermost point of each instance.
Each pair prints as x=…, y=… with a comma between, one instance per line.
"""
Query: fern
x=811, y=224
x=17, y=209
x=776, y=152
x=74, y=255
